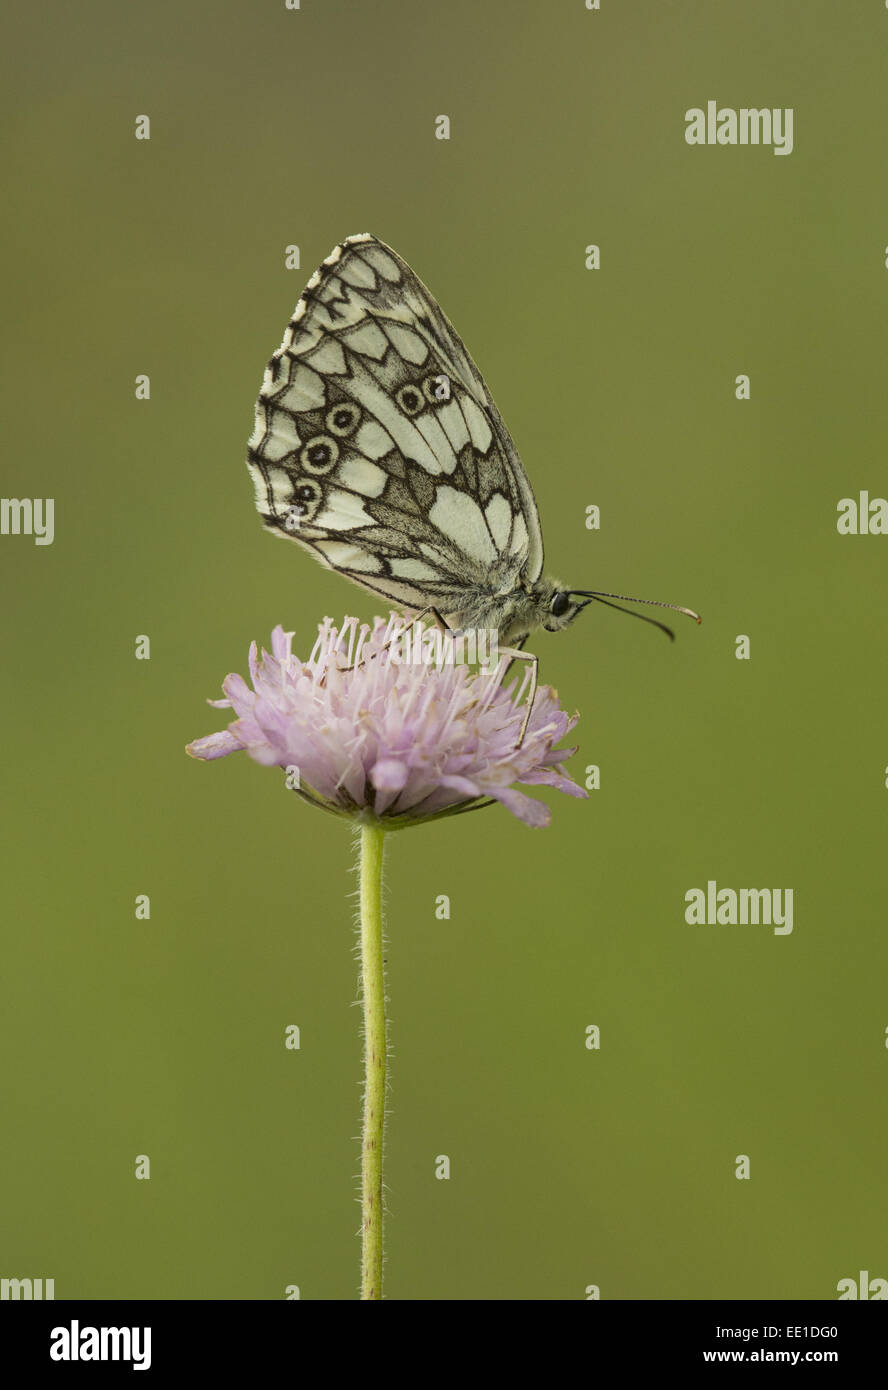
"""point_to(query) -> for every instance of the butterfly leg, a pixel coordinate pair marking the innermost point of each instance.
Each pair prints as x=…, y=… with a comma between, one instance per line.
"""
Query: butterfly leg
x=514, y=654
x=440, y=622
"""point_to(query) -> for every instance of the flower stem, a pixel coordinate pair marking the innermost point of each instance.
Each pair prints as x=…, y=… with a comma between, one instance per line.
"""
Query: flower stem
x=373, y=996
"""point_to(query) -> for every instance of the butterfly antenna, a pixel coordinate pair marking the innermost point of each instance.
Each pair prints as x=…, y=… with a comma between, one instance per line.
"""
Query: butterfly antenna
x=656, y=602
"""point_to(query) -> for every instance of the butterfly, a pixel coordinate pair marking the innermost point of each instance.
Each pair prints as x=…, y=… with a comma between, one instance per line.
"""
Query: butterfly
x=378, y=447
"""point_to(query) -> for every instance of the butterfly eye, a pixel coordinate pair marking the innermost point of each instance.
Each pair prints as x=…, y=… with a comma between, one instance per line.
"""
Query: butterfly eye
x=560, y=603
x=342, y=419
x=410, y=400
x=320, y=454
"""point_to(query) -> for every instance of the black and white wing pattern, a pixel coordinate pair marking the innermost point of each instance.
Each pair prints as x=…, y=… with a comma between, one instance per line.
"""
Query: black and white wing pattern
x=378, y=447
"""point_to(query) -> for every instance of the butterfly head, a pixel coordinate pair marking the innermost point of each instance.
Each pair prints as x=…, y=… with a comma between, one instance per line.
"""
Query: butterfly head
x=559, y=606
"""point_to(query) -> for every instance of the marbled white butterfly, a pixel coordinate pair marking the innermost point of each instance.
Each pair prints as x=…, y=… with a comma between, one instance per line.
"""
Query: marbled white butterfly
x=378, y=447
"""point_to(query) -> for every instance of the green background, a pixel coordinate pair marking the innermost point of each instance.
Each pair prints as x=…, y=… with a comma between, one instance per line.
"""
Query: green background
x=120, y=1037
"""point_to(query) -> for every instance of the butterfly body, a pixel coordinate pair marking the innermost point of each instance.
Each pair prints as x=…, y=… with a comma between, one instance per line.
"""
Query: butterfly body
x=378, y=447
x=515, y=612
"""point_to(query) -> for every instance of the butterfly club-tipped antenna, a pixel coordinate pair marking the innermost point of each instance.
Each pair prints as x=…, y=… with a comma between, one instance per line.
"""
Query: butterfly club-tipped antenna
x=599, y=597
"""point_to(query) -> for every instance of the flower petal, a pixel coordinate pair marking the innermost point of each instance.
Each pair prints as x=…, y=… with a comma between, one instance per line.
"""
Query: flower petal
x=214, y=746
x=389, y=775
x=534, y=813
x=557, y=778
x=464, y=785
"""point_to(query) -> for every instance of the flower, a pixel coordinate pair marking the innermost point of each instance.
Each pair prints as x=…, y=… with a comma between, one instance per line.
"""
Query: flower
x=376, y=738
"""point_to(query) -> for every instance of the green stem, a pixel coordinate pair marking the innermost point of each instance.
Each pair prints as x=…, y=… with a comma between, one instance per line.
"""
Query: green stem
x=373, y=996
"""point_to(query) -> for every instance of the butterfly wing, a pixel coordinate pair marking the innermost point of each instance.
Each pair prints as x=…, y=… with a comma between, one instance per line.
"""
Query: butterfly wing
x=377, y=445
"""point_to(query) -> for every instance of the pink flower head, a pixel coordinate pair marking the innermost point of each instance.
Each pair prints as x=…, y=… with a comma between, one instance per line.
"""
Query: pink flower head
x=400, y=742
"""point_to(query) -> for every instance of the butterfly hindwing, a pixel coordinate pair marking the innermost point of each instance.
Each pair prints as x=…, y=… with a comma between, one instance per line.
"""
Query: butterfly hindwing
x=377, y=445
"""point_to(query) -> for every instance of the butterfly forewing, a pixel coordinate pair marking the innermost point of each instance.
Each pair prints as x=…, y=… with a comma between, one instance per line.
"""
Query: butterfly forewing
x=378, y=447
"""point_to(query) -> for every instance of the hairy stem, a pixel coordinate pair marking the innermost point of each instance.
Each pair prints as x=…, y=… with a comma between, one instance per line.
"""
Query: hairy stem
x=373, y=998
